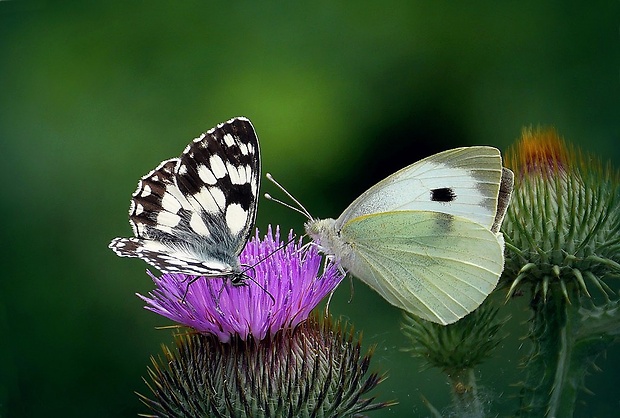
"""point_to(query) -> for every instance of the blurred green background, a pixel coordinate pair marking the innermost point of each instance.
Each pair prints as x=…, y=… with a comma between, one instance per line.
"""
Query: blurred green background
x=94, y=94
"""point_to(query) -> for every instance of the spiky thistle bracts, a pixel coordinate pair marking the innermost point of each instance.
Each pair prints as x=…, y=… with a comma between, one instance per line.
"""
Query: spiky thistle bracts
x=563, y=223
x=563, y=250
x=317, y=369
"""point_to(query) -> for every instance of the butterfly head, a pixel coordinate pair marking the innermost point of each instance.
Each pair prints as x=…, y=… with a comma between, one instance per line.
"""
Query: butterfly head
x=321, y=231
x=324, y=233
x=240, y=278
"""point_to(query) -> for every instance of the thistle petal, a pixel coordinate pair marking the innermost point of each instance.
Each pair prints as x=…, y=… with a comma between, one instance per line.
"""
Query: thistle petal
x=287, y=283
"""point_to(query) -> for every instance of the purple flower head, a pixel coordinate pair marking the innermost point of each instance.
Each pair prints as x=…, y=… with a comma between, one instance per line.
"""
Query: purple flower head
x=291, y=281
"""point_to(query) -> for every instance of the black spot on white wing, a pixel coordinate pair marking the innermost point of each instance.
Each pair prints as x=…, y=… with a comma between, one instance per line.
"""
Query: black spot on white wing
x=443, y=195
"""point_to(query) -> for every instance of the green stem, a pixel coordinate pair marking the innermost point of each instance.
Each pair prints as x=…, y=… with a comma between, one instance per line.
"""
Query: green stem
x=563, y=394
x=548, y=390
x=465, y=398
x=566, y=340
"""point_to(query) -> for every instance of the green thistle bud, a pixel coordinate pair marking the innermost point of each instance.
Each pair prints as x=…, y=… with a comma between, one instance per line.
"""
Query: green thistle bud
x=315, y=369
x=562, y=225
x=457, y=349
x=561, y=233
x=458, y=346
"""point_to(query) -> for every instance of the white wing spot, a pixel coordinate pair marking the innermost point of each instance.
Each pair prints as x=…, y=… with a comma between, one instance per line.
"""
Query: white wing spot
x=198, y=225
x=206, y=175
x=217, y=166
x=146, y=191
x=182, y=170
x=211, y=199
x=167, y=220
x=244, y=148
x=236, y=218
x=245, y=173
x=170, y=203
x=229, y=140
x=137, y=210
x=237, y=174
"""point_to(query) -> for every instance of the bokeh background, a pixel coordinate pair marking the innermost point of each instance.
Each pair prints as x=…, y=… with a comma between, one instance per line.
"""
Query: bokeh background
x=94, y=94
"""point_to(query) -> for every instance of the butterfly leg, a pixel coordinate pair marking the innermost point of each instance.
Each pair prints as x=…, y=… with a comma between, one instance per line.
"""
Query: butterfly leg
x=352, y=289
x=329, y=299
x=246, y=277
x=189, y=283
x=331, y=259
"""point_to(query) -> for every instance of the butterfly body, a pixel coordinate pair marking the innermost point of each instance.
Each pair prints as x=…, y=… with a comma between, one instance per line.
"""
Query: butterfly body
x=194, y=214
x=427, y=237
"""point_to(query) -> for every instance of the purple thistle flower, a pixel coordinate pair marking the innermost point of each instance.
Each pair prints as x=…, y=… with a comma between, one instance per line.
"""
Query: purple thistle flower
x=292, y=287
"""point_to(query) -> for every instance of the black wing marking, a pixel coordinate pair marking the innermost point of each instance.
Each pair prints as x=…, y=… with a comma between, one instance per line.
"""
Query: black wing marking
x=194, y=214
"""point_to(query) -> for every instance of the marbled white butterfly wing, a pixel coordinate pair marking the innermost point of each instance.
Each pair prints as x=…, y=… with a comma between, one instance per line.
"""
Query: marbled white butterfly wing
x=194, y=214
x=427, y=237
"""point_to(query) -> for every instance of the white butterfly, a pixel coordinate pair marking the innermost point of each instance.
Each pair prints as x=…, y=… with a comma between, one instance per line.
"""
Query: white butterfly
x=194, y=214
x=427, y=237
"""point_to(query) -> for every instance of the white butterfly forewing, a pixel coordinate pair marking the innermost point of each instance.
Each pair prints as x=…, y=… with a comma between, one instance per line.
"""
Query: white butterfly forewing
x=471, y=174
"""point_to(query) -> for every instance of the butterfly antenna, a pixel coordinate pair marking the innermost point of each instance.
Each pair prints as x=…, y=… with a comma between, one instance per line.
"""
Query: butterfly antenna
x=299, y=208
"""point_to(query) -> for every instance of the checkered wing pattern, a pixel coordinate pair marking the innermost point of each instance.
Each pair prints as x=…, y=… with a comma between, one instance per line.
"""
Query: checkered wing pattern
x=194, y=214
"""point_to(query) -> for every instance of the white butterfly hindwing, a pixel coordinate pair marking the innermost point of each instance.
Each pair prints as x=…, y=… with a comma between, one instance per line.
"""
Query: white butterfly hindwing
x=194, y=214
x=426, y=238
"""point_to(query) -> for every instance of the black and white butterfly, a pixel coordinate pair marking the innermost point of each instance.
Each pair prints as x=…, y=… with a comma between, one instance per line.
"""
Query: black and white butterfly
x=194, y=214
